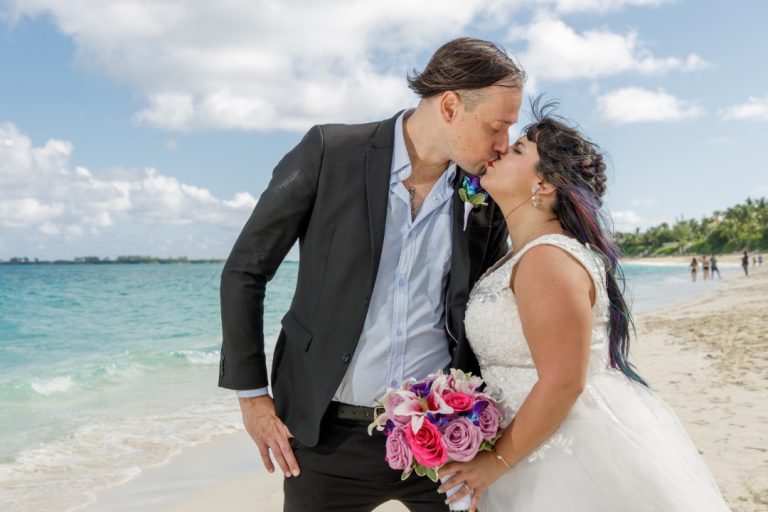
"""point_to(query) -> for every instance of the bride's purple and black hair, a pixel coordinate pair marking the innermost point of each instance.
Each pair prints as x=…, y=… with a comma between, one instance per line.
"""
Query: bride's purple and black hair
x=576, y=168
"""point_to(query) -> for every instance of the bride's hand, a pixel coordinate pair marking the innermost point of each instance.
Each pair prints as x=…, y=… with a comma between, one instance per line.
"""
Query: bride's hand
x=475, y=475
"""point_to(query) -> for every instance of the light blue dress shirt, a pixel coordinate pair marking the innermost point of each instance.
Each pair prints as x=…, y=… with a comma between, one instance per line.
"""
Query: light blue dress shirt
x=404, y=331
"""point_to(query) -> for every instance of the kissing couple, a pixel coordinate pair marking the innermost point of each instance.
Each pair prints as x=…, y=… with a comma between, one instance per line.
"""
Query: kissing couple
x=398, y=278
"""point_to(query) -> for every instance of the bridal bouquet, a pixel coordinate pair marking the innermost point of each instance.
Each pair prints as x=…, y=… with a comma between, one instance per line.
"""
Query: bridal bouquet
x=443, y=417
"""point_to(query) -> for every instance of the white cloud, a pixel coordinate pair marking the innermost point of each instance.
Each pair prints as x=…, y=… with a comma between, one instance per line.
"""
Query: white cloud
x=567, y=6
x=636, y=105
x=40, y=191
x=716, y=141
x=754, y=109
x=257, y=65
x=644, y=202
x=556, y=52
x=287, y=65
x=628, y=220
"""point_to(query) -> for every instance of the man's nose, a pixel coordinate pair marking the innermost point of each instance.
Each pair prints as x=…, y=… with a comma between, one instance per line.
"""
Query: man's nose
x=502, y=144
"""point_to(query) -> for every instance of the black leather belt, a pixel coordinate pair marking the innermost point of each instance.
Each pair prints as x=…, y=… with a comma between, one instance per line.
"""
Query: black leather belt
x=354, y=412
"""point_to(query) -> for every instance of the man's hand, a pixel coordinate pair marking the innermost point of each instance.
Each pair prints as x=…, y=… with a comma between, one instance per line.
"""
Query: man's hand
x=269, y=434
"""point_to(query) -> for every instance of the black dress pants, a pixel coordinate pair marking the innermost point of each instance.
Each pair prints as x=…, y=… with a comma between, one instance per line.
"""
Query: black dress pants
x=346, y=472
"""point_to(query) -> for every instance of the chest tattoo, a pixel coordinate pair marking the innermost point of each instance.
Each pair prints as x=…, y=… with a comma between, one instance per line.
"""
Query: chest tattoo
x=416, y=202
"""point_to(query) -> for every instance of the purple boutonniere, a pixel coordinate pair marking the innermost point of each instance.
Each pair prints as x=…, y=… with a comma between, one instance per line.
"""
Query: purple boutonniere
x=473, y=195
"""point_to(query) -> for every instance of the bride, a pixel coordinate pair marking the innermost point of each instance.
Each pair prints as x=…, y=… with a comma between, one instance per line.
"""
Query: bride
x=550, y=328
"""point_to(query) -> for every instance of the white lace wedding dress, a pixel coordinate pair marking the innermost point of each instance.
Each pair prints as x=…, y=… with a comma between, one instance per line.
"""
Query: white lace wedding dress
x=620, y=449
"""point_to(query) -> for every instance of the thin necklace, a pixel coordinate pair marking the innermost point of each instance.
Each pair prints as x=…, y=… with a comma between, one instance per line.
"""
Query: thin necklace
x=534, y=234
x=513, y=210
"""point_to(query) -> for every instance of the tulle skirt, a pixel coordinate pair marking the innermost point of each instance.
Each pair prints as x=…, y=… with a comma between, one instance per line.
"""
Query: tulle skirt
x=621, y=448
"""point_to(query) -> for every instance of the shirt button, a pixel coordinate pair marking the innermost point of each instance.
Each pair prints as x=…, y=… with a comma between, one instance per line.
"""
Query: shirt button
x=399, y=332
x=401, y=282
x=393, y=384
x=346, y=358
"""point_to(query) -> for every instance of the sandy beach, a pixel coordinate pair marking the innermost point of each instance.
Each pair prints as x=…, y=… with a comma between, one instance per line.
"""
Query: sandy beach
x=707, y=357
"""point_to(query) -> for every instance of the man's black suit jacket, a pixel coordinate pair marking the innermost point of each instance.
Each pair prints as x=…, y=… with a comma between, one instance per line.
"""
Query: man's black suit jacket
x=330, y=192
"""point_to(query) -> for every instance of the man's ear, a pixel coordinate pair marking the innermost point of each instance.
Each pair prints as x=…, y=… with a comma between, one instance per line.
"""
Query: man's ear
x=450, y=103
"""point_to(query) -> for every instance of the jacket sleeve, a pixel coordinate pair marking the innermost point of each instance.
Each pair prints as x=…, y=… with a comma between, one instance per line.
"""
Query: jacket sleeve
x=280, y=218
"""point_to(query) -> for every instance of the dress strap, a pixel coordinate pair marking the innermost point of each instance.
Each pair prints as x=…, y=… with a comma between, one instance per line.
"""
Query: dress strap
x=588, y=259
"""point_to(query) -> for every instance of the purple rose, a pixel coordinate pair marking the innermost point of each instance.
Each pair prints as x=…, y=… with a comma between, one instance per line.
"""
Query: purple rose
x=399, y=456
x=462, y=439
x=489, y=419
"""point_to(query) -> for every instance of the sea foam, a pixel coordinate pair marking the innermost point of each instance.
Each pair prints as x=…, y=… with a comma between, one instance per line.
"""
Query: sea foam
x=52, y=386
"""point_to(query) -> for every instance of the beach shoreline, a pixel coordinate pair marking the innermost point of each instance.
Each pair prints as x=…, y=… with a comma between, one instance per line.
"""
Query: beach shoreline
x=729, y=259
x=712, y=376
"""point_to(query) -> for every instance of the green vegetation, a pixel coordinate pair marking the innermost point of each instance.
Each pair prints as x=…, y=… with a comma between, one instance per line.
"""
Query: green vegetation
x=740, y=227
x=95, y=260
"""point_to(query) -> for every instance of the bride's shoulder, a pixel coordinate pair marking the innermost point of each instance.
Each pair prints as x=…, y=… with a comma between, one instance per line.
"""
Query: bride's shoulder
x=553, y=260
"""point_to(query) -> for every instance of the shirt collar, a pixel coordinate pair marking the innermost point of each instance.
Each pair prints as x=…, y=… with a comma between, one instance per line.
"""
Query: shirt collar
x=401, y=163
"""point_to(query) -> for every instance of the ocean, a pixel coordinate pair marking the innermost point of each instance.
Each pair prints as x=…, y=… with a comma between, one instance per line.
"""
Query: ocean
x=106, y=370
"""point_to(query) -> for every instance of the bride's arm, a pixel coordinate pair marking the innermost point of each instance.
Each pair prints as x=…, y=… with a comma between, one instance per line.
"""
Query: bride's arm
x=554, y=296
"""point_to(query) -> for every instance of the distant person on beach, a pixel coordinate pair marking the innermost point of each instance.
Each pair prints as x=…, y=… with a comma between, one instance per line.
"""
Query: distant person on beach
x=694, y=268
x=745, y=263
x=582, y=432
x=705, y=268
x=713, y=266
x=754, y=262
x=760, y=259
x=387, y=259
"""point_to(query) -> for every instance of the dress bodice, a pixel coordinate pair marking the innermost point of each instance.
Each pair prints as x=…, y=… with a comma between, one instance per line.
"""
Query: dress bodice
x=495, y=331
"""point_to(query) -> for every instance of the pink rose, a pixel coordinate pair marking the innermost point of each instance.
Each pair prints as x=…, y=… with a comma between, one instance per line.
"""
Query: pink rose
x=399, y=455
x=436, y=404
x=460, y=402
x=462, y=439
x=489, y=421
x=426, y=444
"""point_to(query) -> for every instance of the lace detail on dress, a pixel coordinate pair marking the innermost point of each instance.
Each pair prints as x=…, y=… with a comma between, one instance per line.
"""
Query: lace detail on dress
x=556, y=440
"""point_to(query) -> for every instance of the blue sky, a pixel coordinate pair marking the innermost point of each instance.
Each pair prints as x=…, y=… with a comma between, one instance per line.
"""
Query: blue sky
x=149, y=127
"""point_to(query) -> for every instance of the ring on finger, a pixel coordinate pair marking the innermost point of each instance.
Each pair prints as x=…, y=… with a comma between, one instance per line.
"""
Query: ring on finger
x=469, y=489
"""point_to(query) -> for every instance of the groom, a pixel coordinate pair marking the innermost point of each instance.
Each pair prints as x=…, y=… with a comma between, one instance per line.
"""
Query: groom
x=386, y=265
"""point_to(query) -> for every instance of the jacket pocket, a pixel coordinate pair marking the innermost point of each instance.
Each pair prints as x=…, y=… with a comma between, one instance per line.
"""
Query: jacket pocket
x=296, y=335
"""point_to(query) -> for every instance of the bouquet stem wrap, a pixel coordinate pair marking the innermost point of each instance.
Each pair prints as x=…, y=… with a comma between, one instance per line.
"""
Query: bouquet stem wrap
x=462, y=504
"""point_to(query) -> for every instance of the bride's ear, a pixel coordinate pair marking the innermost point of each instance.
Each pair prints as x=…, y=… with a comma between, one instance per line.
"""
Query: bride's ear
x=545, y=188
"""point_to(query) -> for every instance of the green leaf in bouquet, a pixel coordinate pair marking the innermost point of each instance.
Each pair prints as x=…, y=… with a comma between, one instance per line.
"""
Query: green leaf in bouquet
x=463, y=195
x=432, y=474
x=420, y=470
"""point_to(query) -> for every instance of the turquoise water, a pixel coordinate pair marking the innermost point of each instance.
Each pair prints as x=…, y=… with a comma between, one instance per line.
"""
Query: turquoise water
x=108, y=369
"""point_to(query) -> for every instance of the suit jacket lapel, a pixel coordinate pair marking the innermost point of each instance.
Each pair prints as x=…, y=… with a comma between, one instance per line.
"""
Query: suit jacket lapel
x=378, y=168
x=459, y=280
